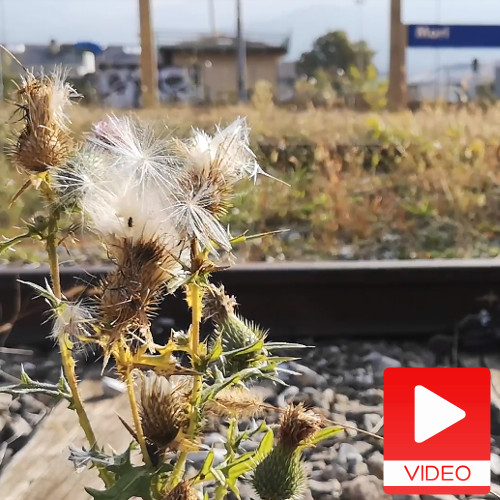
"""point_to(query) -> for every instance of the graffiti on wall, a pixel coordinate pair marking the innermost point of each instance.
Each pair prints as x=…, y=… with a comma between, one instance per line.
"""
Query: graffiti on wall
x=121, y=87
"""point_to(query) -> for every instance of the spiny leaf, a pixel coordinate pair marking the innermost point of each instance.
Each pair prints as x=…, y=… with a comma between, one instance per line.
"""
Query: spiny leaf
x=207, y=464
x=5, y=245
x=47, y=292
x=244, y=237
x=136, y=483
x=30, y=386
x=323, y=434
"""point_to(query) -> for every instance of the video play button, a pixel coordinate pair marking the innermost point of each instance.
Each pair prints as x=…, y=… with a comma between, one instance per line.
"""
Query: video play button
x=433, y=414
x=427, y=413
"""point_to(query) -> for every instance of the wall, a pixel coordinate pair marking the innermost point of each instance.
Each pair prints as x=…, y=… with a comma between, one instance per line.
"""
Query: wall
x=219, y=72
x=120, y=87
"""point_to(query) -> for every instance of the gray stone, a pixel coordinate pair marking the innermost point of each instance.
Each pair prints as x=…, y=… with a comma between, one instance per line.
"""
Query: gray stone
x=360, y=469
x=495, y=401
x=372, y=396
x=438, y=497
x=5, y=401
x=287, y=396
x=495, y=464
x=307, y=377
x=324, y=399
x=359, y=378
x=332, y=487
x=19, y=426
x=249, y=445
x=371, y=420
x=405, y=497
x=363, y=447
x=348, y=456
x=264, y=391
x=112, y=387
x=364, y=488
x=379, y=363
x=338, y=472
x=376, y=464
x=212, y=439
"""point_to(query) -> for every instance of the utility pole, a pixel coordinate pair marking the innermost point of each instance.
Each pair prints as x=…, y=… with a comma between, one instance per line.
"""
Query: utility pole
x=149, y=66
x=3, y=41
x=397, y=95
x=211, y=17
x=242, y=56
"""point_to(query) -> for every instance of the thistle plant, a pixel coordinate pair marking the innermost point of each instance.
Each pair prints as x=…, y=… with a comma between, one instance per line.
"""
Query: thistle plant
x=156, y=203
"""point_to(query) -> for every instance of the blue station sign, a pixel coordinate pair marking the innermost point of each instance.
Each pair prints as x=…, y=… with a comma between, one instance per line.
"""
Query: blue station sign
x=453, y=36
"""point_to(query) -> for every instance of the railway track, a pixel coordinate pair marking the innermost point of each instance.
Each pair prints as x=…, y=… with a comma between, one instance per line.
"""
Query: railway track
x=313, y=299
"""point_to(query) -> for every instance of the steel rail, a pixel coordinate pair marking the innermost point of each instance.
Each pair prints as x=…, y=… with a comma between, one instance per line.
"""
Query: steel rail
x=303, y=299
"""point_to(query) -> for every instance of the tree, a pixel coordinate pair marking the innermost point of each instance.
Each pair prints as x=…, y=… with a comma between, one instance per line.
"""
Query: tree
x=335, y=54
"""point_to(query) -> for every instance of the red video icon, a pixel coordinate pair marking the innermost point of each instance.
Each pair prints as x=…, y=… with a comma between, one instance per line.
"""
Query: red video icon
x=437, y=430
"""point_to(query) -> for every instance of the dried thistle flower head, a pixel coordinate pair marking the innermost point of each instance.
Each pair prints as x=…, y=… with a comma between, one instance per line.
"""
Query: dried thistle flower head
x=280, y=476
x=297, y=425
x=163, y=411
x=217, y=305
x=44, y=142
x=183, y=491
x=131, y=293
x=236, y=402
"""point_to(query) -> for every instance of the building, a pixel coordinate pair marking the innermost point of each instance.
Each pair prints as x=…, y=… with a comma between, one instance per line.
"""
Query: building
x=119, y=74
x=212, y=64
x=78, y=59
x=202, y=69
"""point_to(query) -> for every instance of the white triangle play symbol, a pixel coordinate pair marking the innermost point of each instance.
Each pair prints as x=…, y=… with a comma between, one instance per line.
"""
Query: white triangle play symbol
x=433, y=414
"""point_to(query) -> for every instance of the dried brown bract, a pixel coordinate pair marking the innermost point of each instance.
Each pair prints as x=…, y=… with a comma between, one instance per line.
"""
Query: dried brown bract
x=217, y=305
x=183, y=491
x=297, y=425
x=131, y=293
x=163, y=411
x=44, y=141
x=236, y=402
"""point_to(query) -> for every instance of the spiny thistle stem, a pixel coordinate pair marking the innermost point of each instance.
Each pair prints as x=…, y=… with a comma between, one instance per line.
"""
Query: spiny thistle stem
x=220, y=492
x=135, y=416
x=67, y=360
x=196, y=297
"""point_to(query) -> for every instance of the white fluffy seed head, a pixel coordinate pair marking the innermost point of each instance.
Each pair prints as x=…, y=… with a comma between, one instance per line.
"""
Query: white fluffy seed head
x=72, y=319
x=227, y=151
x=122, y=177
x=136, y=150
x=135, y=184
x=191, y=215
x=61, y=97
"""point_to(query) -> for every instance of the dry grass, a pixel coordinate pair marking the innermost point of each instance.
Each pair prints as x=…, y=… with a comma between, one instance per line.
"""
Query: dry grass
x=400, y=185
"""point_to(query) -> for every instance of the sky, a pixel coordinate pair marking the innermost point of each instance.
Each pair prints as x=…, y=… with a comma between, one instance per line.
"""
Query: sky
x=116, y=22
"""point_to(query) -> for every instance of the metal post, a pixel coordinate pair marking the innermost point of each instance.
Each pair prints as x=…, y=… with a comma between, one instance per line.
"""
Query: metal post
x=361, y=63
x=3, y=41
x=149, y=67
x=397, y=94
x=211, y=17
x=242, y=56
